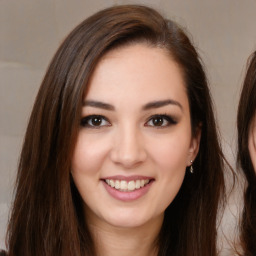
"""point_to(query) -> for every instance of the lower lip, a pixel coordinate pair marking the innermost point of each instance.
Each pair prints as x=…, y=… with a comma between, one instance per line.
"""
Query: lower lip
x=129, y=195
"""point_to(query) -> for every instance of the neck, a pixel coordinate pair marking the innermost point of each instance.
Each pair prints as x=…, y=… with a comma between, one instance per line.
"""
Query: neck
x=136, y=241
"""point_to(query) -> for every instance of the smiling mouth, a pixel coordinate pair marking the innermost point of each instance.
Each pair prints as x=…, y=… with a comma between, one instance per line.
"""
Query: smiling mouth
x=127, y=186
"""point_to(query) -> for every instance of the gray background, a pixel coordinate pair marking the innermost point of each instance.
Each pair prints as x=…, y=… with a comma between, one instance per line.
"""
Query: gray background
x=30, y=31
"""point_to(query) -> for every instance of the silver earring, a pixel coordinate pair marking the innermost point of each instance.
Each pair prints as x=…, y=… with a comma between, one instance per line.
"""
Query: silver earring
x=191, y=167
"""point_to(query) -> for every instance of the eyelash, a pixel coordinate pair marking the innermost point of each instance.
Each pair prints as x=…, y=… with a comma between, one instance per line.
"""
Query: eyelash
x=165, y=119
x=85, y=122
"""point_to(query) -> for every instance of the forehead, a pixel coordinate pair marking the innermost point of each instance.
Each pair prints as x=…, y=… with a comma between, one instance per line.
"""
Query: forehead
x=134, y=71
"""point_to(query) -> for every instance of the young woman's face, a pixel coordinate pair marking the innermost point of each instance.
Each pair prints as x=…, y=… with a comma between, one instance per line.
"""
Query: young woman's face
x=135, y=139
x=252, y=142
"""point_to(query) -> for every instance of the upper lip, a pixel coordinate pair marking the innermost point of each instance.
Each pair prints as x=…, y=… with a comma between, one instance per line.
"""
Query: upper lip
x=127, y=178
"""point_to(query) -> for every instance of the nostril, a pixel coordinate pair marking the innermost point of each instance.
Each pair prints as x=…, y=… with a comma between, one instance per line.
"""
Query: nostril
x=127, y=159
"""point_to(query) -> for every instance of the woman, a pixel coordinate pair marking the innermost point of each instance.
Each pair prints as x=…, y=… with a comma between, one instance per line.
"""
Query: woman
x=246, y=127
x=121, y=154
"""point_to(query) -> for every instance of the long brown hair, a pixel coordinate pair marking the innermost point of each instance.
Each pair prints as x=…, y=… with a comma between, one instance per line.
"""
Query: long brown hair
x=246, y=114
x=47, y=213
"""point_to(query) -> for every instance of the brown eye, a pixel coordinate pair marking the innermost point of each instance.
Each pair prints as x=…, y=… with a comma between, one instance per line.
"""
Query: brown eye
x=94, y=121
x=160, y=121
x=157, y=121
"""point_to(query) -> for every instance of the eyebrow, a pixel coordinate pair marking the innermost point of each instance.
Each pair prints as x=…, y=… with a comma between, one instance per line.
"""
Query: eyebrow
x=150, y=105
x=161, y=103
x=98, y=104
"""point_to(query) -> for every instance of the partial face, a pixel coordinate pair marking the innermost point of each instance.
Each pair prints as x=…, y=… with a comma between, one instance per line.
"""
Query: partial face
x=135, y=139
x=252, y=142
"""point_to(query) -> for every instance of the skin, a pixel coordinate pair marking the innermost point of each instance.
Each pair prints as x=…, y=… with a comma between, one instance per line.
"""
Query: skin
x=252, y=142
x=127, y=142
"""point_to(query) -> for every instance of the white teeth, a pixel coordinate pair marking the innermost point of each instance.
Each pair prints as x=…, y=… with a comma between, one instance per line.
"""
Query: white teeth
x=117, y=184
x=112, y=183
x=131, y=185
x=123, y=185
x=137, y=184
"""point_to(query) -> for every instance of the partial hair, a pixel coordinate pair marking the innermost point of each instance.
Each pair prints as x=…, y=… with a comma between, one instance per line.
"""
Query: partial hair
x=47, y=216
x=245, y=117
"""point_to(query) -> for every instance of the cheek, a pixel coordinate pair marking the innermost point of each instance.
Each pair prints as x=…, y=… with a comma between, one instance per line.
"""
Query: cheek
x=86, y=165
x=170, y=159
x=88, y=155
x=171, y=152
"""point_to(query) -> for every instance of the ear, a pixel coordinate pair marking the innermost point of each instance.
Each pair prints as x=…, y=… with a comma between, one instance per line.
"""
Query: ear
x=194, y=145
x=252, y=143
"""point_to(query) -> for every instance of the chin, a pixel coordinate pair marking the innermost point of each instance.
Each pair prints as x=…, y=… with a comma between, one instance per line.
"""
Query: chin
x=130, y=219
x=127, y=224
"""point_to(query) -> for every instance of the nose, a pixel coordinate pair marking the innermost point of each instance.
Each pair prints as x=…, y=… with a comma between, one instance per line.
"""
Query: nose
x=128, y=148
